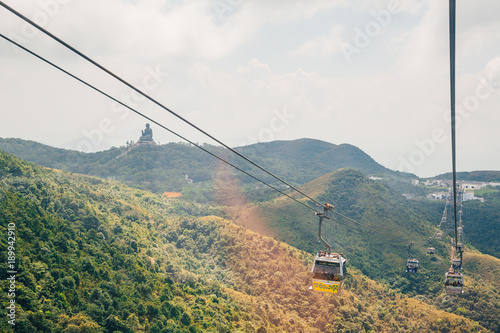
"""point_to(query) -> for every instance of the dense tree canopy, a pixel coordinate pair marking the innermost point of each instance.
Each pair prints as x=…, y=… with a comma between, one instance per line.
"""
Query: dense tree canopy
x=94, y=255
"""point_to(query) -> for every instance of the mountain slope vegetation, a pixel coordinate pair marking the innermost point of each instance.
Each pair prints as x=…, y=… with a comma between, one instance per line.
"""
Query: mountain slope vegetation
x=97, y=256
x=379, y=249
x=480, y=176
x=484, y=229
x=164, y=168
x=303, y=160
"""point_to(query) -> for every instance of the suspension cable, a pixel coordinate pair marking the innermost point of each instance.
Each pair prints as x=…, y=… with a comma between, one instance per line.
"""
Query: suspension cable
x=452, y=100
x=364, y=226
x=173, y=113
x=193, y=143
x=151, y=120
x=149, y=98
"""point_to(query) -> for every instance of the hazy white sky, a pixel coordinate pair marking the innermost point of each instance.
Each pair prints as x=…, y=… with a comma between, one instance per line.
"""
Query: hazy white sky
x=374, y=74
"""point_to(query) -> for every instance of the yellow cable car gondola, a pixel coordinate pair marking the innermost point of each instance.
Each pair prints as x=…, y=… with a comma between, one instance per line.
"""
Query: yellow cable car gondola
x=328, y=272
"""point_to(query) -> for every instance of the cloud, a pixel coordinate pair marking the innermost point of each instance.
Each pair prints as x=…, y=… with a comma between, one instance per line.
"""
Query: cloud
x=321, y=46
x=155, y=29
x=288, y=10
x=493, y=72
x=233, y=75
x=405, y=6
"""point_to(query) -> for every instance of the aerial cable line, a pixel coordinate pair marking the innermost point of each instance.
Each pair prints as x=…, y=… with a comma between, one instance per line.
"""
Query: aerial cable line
x=364, y=226
x=361, y=231
x=395, y=244
x=454, y=281
x=149, y=98
x=191, y=142
x=151, y=120
x=452, y=100
x=170, y=111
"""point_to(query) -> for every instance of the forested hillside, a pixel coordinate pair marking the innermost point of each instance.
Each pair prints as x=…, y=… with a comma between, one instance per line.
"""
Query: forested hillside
x=157, y=169
x=306, y=159
x=380, y=252
x=97, y=256
x=480, y=176
x=484, y=227
x=164, y=168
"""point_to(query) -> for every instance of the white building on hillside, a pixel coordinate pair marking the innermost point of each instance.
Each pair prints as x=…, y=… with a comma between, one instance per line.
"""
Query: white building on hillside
x=473, y=185
x=437, y=195
x=469, y=195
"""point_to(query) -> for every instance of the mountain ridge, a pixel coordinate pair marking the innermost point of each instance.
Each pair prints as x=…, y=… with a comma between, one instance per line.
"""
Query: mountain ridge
x=479, y=175
x=325, y=154
x=164, y=168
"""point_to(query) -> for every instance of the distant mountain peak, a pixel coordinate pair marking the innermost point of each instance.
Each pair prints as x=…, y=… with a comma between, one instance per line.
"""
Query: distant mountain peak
x=319, y=156
x=163, y=168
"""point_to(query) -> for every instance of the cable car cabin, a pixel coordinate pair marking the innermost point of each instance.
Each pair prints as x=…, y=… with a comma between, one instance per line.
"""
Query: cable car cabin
x=456, y=264
x=411, y=265
x=328, y=272
x=453, y=282
x=431, y=250
x=439, y=235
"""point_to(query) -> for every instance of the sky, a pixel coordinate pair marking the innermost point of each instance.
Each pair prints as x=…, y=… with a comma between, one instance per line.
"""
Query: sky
x=371, y=73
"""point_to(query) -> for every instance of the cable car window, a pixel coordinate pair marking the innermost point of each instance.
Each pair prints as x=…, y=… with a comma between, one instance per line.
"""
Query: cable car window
x=325, y=269
x=454, y=281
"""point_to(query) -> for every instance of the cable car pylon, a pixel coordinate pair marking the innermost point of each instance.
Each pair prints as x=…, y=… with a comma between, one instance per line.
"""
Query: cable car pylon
x=328, y=269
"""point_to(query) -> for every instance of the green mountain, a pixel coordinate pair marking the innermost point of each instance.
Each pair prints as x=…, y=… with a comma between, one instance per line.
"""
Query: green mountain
x=158, y=169
x=313, y=158
x=94, y=255
x=484, y=229
x=480, y=176
x=164, y=168
x=379, y=249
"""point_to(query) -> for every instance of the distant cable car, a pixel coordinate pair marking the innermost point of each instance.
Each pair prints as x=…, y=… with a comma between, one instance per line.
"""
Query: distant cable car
x=411, y=265
x=328, y=272
x=431, y=250
x=439, y=235
x=453, y=282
